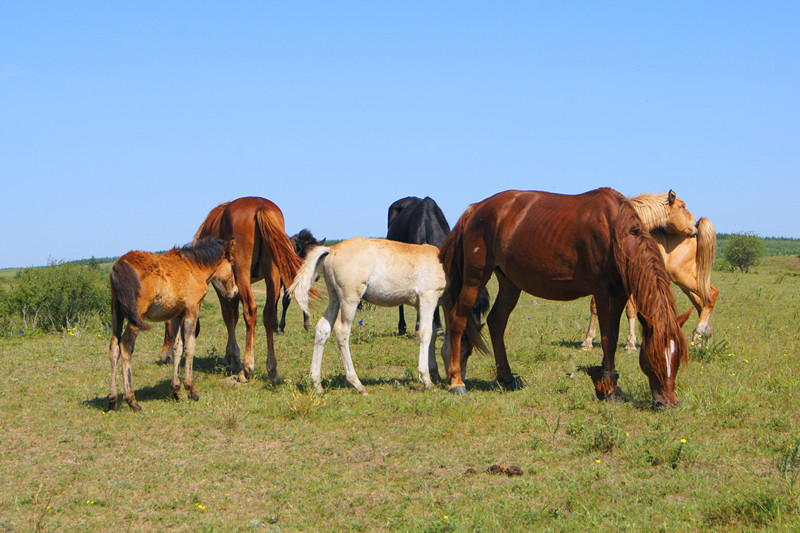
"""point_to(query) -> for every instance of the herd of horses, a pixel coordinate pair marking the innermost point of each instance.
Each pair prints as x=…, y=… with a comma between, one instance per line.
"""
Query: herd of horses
x=622, y=252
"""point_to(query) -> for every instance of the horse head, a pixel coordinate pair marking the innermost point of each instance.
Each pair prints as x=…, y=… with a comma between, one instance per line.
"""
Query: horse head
x=223, y=279
x=679, y=220
x=662, y=351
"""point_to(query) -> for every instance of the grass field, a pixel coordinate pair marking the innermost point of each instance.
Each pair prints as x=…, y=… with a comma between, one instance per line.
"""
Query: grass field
x=267, y=458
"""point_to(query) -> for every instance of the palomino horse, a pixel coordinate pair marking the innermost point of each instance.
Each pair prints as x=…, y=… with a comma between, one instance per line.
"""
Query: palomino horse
x=263, y=251
x=160, y=288
x=302, y=242
x=563, y=247
x=688, y=261
x=384, y=273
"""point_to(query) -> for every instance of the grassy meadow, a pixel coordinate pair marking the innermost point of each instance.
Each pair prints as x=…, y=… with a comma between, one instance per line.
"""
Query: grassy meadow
x=260, y=457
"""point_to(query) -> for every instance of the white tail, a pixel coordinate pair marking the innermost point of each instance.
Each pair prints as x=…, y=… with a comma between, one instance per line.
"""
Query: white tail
x=306, y=276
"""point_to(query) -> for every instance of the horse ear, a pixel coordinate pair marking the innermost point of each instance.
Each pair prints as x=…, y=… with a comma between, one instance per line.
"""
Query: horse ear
x=672, y=197
x=684, y=317
x=322, y=242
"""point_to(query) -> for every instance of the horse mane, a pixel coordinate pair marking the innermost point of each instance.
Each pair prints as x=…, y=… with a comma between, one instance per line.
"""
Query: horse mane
x=645, y=277
x=203, y=253
x=652, y=208
x=211, y=225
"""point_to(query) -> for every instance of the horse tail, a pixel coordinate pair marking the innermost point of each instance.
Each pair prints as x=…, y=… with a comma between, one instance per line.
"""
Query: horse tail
x=125, y=286
x=704, y=258
x=280, y=247
x=451, y=254
x=301, y=286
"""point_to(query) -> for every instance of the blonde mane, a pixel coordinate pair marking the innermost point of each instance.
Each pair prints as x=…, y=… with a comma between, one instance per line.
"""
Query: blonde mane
x=652, y=208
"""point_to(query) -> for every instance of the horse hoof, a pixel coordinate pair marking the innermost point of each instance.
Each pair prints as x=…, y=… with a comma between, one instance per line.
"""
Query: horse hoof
x=458, y=390
x=194, y=397
x=275, y=378
x=135, y=407
x=242, y=377
x=512, y=383
x=586, y=347
x=613, y=396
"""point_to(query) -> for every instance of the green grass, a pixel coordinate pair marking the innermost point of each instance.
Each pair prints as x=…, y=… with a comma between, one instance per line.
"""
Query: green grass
x=266, y=458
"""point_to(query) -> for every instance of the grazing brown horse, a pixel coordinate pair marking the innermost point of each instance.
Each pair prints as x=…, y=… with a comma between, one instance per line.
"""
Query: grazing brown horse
x=688, y=261
x=563, y=247
x=263, y=251
x=160, y=288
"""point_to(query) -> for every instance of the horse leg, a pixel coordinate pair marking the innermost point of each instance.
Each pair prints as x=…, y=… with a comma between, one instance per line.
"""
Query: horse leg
x=285, y=300
x=401, y=322
x=270, y=316
x=166, y=347
x=113, y=356
x=497, y=320
x=427, y=345
x=306, y=321
x=321, y=335
x=609, y=310
x=630, y=312
x=189, y=343
x=230, y=315
x=250, y=309
x=437, y=321
x=341, y=330
x=126, y=351
x=177, y=350
x=588, y=343
x=704, y=329
x=457, y=317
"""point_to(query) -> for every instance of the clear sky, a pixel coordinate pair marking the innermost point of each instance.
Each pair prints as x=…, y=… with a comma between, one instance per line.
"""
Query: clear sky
x=123, y=123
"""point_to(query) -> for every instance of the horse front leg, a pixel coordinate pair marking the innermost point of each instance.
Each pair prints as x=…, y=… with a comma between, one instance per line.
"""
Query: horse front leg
x=401, y=321
x=285, y=301
x=605, y=377
x=166, y=346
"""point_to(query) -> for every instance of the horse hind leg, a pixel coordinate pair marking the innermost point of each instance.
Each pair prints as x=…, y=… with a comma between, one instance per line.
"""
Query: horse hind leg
x=189, y=347
x=630, y=313
x=427, y=344
x=591, y=333
x=341, y=330
x=270, y=315
x=497, y=320
x=126, y=351
x=113, y=355
x=321, y=336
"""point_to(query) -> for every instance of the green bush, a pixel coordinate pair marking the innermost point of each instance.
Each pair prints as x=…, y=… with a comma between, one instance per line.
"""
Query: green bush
x=54, y=298
x=743, y=250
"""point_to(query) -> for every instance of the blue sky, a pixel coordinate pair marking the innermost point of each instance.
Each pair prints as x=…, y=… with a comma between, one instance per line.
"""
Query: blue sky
x=123, y=123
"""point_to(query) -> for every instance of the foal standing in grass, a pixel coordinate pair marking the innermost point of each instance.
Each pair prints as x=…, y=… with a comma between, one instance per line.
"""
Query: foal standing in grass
x=160, y=288
x=384, y=273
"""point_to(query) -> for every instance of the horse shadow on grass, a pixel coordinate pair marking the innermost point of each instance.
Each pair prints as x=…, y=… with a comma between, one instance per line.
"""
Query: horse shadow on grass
x=339, y=382
x=160, y=391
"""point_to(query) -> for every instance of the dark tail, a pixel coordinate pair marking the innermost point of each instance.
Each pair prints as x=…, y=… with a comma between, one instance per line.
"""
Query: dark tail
x=125, y=296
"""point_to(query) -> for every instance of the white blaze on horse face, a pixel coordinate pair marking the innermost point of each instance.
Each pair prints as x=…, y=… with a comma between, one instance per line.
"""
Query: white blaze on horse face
x=668, y=357
x=476, y=250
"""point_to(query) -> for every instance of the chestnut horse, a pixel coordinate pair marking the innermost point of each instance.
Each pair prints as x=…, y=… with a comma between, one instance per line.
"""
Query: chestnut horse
x=160, y=288
x=688, y=261
x=563, y=247
x=263, y=251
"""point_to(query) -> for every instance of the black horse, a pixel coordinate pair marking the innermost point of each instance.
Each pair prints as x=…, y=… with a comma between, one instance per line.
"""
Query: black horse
x=421, y=221
x=302, y=242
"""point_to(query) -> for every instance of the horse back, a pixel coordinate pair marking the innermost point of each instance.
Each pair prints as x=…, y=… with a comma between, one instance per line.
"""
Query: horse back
x=389, y=272
x=417, y=221
x=554, y=246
